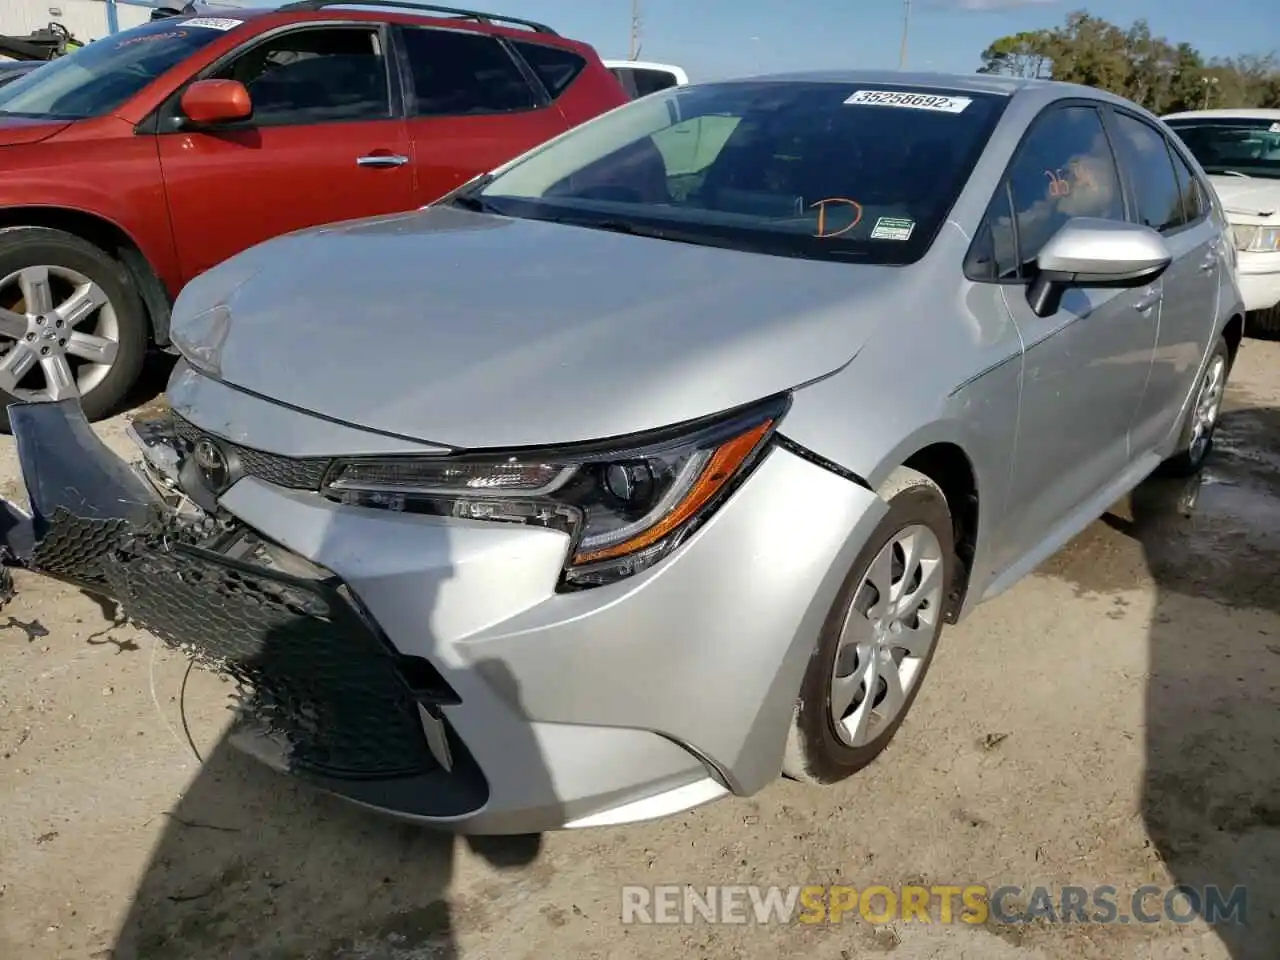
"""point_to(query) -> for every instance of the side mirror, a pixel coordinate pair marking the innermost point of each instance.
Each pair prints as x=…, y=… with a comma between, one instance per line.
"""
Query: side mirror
x=208, y=102
x=1089, y=252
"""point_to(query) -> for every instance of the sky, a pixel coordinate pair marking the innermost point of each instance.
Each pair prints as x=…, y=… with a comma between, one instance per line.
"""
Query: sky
x=719, y=38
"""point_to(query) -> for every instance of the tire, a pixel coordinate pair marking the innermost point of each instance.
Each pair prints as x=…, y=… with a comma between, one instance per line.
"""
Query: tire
x=1263, y=324
x=816, y=752
x=1194, y=449
x=120, y=317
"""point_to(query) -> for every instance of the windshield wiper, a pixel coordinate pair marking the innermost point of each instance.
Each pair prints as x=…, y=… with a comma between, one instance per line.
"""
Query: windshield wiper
x=468, y=197
x=468, y=202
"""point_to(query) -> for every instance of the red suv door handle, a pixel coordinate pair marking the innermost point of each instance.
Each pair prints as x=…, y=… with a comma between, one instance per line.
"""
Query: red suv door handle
x=382, y=160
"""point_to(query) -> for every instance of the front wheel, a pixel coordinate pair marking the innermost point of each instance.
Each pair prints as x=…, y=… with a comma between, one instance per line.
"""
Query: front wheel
x=1196, y=439
x=71, y=322
x=879, y=637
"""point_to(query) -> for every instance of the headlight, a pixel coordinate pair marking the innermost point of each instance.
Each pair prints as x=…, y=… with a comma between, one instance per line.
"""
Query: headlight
x=1265, y=240
x=1252, y=239
x=625, y=506
x=200, y=338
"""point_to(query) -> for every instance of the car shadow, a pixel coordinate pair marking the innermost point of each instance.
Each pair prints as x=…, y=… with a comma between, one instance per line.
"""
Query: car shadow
x=147, y=394
x=1211, y=791
x=253, y=863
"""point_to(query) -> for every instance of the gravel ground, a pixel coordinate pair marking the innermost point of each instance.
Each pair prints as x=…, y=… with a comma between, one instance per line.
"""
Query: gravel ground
x=1112, y=720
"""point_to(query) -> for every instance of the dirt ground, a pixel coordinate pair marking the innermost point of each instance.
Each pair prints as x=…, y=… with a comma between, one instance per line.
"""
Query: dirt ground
x=1115, y=719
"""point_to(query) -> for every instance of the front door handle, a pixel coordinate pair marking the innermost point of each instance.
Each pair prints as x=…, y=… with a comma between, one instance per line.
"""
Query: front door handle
x=1209, y=263
x=382, y=160
x=1148, y=300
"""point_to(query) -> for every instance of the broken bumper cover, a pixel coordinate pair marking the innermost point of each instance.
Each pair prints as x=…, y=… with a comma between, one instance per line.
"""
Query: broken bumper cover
x=534, y=709
x=321, y=693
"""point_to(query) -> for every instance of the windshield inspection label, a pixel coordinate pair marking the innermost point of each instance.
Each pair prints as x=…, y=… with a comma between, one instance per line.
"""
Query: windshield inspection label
x=213, y=23
x=912, y=101
x=893, y=228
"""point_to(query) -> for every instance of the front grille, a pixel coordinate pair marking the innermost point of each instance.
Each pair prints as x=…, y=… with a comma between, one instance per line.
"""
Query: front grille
x=74, y=548
x=294, y=473
x=313, y=673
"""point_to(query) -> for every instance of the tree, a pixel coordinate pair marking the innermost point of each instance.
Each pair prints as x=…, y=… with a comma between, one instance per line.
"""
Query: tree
x=1020, y=55
x=1134, y=63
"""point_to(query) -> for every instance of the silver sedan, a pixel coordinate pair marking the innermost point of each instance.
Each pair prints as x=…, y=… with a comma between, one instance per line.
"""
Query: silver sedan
x=651, y=465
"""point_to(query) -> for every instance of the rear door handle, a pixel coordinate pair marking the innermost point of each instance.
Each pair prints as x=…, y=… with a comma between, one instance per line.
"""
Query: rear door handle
x=382, y=160
x=1148, y=300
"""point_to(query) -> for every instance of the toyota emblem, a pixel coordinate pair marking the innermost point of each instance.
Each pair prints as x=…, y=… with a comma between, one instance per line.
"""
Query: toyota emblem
x=212, y=464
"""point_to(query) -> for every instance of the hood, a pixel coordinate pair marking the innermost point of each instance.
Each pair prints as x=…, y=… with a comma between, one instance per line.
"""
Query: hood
x=18, y=130
x=468, y=330
x=1249, y=196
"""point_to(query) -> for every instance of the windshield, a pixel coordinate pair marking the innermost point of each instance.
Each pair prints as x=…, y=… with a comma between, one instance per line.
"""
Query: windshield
x=1234, y=146
x=810, y=169
x=101, y=75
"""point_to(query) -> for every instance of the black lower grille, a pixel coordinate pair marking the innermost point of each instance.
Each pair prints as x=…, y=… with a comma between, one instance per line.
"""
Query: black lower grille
x=313, y=673
x=74, y=548
x=294, y=473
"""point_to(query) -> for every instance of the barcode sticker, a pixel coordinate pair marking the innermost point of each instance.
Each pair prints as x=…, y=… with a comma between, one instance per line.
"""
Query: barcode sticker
x=912, y=101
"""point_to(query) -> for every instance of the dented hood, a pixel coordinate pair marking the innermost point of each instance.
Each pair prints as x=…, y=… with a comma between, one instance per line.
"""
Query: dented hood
x=469, y=330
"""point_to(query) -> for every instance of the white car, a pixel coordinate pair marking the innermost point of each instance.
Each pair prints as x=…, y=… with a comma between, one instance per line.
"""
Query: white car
x=1240, y=151
x=641, y=78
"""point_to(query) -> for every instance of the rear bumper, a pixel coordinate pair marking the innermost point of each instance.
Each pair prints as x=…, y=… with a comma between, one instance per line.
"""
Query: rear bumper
x=427, y=668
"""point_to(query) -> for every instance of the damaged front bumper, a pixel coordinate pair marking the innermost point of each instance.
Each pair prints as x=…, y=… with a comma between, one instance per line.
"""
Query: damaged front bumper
x=427, y=667
x=320, y=693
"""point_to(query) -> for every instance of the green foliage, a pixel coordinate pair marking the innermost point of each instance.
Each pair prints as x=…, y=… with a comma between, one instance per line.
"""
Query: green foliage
x=1162, y=76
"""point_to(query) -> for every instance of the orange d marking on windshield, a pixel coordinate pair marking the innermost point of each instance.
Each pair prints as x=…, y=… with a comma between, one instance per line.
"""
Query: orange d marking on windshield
x=1058, y=186
x=822, y=205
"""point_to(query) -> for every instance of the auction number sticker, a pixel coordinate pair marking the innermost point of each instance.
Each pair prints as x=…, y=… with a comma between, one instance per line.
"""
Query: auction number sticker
x=893, y=228
x=212, y=23
x=912, y=101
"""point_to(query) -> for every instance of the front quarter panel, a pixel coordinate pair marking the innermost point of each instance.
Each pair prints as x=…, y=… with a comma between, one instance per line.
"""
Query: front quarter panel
x=947, y=370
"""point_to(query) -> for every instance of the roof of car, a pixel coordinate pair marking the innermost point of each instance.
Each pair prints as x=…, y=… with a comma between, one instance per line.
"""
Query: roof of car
x=362, y=10
x=1044, y=91
x=1239, y=113
x=976, y=82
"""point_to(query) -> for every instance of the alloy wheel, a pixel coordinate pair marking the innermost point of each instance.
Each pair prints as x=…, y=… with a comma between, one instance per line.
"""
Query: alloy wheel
x=887, y=635
x=59, y=332
x=1207, y=406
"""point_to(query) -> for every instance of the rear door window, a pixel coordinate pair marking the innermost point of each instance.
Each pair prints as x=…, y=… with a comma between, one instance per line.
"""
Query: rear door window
x=461, y=73
x=556, y=68
x=1145, y=156
x=1195, y=205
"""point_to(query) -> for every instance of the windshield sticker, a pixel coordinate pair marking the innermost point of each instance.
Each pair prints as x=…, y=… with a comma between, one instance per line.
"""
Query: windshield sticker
x=911, y=101
x=824, y=231
x=151, y=38
x=1275, y=128
x=893, y=228
x=213, y=23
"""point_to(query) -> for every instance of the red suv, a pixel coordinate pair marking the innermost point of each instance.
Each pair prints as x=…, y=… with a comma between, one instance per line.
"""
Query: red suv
x=149, y=156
